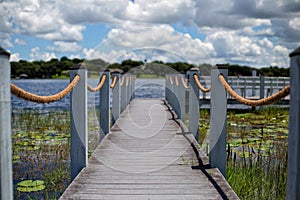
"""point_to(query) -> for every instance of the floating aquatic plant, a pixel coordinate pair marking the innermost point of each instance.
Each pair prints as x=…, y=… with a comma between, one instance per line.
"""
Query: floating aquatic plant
x=31, y=186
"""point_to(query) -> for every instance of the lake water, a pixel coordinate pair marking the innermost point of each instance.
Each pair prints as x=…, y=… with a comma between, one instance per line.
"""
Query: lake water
x=145, y=88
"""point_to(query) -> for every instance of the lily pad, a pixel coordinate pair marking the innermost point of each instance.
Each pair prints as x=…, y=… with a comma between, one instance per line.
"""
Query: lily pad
x=31, y=186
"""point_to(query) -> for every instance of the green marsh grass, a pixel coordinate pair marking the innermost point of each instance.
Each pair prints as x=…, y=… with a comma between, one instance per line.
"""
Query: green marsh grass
x=256, y=151
x=41, y=150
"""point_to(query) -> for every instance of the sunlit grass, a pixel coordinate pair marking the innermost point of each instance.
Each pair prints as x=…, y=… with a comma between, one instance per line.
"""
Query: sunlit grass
x=256, y=151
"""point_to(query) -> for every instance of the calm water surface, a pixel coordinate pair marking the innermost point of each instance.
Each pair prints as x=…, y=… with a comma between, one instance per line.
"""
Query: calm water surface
x=145, y=88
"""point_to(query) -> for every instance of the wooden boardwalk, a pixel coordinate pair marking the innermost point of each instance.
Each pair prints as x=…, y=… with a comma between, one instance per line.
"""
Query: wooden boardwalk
x=148, y=155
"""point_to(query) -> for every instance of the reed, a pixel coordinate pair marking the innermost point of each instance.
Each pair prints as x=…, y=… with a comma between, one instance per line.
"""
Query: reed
x=256, y=151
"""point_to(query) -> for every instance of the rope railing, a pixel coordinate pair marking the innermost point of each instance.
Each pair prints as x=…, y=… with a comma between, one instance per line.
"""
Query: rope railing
x=171, y=80
x=100, y=85
x=43, y=99
x=122, y=81
x=114, y=82
x=205, y=90
x=176, y=81
x=184, y=83
x=127, y=81
x=265, y=101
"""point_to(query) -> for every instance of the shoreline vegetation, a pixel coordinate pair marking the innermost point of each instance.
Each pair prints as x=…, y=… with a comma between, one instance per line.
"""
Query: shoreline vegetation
x=256, y=151
x=59, y=68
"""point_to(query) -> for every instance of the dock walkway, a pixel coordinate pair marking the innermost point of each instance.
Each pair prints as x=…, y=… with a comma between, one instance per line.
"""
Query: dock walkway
x=148, y=154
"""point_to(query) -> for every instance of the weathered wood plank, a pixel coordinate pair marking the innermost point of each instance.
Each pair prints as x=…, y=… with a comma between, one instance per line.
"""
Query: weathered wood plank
x=143, y=158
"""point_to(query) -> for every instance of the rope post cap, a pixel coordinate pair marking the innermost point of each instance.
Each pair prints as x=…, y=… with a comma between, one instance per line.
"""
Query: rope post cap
x=3, y=52
x=296, y=52
x=194, y=69
x=78, y=66
x=116, y=70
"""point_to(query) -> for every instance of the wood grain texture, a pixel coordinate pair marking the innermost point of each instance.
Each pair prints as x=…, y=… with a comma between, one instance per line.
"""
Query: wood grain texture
x=144, y=157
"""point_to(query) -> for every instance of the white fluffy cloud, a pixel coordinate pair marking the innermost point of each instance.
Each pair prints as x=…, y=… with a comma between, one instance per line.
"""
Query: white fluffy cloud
x=5, y=40
x=63, y=47
x=20, y=42
x=37, y=54
x=163, y=38
x=41, y=19
x=234, y=30
x=15, y=57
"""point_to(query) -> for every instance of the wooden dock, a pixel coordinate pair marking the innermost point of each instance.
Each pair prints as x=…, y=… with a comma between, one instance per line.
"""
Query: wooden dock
x=148, y=154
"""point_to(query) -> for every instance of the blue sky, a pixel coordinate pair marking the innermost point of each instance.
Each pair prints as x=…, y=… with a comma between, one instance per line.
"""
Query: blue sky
x=258, y=33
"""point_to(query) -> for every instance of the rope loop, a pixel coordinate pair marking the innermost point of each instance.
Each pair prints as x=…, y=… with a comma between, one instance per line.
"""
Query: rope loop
x=265, y=101
x=122, y=81
x=113, y=84
x=176, y=81
x=184, y=83
x=127, y=80
x=171, y=80
x=44, y=99
x=96, y=89
x=205, y=90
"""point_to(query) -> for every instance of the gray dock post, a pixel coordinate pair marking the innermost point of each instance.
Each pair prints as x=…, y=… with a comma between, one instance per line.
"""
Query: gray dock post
x=262, y=87
x=123, y=93
x=115, y=98
x=218, y=111
x=128, y=89
x=176, y=102
x=133, y=87
x=78, y=122
x=167, y=88
x=104, y=106
x=6, y=184
x=170, y=98
x=293, y=174
x=181, y=98
x=194, y=112
x=253, y=82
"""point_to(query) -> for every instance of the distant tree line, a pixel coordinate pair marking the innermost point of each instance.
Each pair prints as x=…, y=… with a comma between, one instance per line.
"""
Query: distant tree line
x=58, y=68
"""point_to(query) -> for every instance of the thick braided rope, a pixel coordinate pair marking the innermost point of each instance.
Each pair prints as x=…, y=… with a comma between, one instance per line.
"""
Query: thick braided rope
x=43, y=99
x=122, y=81
x=265, y=101
x=96, y=89
x=113, y=84
x=171, y=80
x=184, y=83
x=200, y=85
x=176, y=81
x=127, y=80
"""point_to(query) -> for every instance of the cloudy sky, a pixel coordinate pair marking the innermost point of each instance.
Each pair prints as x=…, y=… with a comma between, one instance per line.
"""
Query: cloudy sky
x=258, y=33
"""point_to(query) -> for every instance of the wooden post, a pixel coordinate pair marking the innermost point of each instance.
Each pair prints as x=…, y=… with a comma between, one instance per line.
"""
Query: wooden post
x=115, y=99
x=262, y=87
x=104, y=106
x=78, y=122
x=293, y=174
x=218, y=111
x=133, y=87
x=171, y=90
x=6, y=184
x=194, y=112
x=253, y=82
x=129, y=87
x=176, y=100
x=167, y=88
x=181, y=98
x=123, y=94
